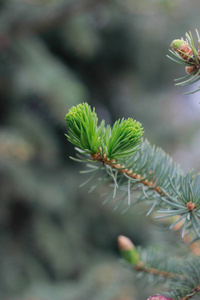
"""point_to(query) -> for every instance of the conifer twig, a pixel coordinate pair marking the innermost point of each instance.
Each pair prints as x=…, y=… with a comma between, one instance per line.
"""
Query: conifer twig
x=193, y=293
x=129, y=161
x=112, y=163
x=184, y=52
x=153, y=271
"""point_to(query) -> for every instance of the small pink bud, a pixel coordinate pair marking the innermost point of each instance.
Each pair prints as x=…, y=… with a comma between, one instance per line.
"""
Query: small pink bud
x=159, y=297
x=125, y=243
x=128, y=250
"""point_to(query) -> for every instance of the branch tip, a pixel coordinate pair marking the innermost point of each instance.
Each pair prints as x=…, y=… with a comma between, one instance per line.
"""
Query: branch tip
x=125, y=243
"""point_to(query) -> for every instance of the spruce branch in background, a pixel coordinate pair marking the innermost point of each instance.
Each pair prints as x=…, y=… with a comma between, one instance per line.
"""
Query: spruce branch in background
x=185, y=53
x=48, y=18
x=133, y=166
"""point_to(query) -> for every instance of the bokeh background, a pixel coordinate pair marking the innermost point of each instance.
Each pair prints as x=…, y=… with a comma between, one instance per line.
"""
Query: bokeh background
x=57, y=242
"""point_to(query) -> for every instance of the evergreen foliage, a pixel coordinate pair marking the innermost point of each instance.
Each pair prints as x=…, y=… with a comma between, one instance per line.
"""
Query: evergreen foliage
x=114, y=142
x=84, y=132
x=122, y=138
x=55, y=239
x=150, y=174
x=185, y=53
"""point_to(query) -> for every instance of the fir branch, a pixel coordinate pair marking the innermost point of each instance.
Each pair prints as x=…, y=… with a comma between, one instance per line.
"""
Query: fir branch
x=185, y=53
x=156, y=262
x=141, y=268
x=148, y=261
x=182, y=275
x=134, y=164
x=121, y=169
x=189, y=286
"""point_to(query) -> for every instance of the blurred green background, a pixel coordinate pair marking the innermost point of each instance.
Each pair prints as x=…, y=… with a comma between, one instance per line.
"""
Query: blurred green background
x=57, y=242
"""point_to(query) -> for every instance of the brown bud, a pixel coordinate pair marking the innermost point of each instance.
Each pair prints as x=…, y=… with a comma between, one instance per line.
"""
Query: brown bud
x=95, y=156
x=129, y=172
x=189, y=70
x=118, y=166
x=133, y=175
x=112, y=161
x=185, y=49
x=190, y=206
x=182, y=47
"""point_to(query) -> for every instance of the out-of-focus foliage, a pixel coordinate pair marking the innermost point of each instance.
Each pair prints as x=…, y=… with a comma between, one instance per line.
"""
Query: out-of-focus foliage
x=53, y=55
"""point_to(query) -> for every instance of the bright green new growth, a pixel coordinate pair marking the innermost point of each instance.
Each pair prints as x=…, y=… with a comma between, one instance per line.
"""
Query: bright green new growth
x=144, y=168
x=177, y=43
x=149, y=174
x=123, y=138
x=117, y=142
x=132, y=256
x=83, y=129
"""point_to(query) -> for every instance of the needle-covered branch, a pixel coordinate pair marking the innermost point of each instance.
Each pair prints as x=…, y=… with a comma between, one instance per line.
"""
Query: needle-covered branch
x=134, y=165
x=184, y=52
x=181, y=275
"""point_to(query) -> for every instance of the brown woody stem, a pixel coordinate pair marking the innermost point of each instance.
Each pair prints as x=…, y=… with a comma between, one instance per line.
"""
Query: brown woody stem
x=194, y=291
x=112, y=163
x=141, y=267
